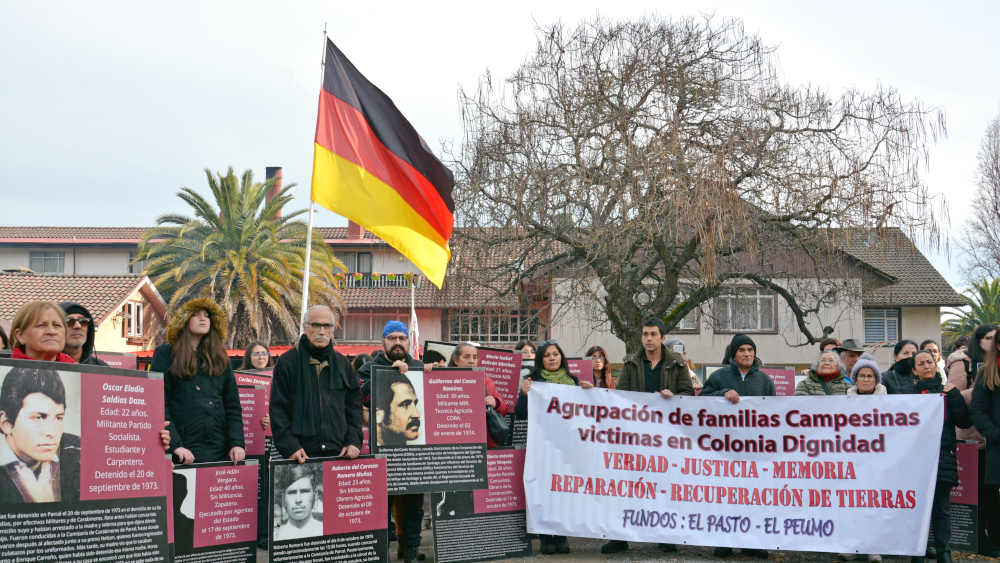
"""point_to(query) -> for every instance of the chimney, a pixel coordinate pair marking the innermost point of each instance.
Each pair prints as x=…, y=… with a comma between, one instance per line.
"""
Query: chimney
x=274, y=172
x=355, y=231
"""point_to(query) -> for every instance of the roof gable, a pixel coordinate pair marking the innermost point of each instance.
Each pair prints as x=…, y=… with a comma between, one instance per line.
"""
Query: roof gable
x=918, y=282
x=101, y=295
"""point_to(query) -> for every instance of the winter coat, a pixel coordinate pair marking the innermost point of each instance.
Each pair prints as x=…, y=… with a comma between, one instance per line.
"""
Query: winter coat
x=755, y=384
x=521, y=408
x=329, y=424
x=879, y=390
x=204, y=411
x=900, y=379
x=672, y=369
x=956, y=413
x=960, y=374
x=986, y=416
x=502, y=408
x=87, y=355
x=813, y=384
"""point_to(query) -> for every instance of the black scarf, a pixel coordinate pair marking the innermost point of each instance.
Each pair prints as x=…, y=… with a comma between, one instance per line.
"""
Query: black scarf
x=932, y=385
x=306, y=421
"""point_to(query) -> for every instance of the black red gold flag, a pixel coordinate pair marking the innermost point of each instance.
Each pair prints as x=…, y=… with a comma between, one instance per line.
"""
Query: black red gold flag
x=371, y=166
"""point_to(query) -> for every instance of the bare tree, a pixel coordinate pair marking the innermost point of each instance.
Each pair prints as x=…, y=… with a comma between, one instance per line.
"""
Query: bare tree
x=654, y=163
x=980, y=241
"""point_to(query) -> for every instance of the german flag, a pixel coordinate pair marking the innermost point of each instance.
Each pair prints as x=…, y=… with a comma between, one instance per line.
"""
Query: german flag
x=372, y=167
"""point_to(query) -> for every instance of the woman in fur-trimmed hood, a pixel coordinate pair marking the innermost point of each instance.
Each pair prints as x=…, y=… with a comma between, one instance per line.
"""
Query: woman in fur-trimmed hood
x=179, y=320
x=202, y=402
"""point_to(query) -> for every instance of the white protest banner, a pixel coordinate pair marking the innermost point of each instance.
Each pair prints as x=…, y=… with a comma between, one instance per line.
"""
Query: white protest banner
x=784, y=473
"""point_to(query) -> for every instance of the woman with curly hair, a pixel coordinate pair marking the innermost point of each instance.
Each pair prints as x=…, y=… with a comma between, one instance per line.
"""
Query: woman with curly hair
x=202, y=402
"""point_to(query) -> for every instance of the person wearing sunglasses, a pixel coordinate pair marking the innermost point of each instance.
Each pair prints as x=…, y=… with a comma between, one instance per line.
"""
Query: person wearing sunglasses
x=80, y=334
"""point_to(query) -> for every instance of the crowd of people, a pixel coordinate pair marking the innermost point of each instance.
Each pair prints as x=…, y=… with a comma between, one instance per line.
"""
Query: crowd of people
x=320, y=401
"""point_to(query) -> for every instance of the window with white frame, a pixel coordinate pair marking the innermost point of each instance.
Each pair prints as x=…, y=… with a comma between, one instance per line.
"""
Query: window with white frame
x=690, y=321
x=47, y=261
x=132, y=320
x=492, y=325
x=745, y=310
x=881, y=326
x=366, y=325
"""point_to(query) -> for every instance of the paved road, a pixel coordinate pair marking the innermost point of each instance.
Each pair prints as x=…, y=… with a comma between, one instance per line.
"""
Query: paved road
x=590, y=550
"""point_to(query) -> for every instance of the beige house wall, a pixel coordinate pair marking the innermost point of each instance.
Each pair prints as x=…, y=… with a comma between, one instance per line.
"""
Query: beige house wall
x=102, y=261
x=108, y=336
x=84, y=261
x=915, y=323
x=13, y=257
x=578, y=325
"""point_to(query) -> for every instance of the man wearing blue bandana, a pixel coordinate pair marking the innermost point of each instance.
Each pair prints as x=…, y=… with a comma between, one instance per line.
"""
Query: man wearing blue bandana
x=407, y=510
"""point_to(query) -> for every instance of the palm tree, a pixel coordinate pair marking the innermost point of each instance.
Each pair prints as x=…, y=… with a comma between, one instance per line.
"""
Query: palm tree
x=982, y=307
x=245, y=254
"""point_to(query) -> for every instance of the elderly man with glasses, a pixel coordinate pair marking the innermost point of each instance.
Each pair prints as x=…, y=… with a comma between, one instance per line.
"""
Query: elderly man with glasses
x=315, y=399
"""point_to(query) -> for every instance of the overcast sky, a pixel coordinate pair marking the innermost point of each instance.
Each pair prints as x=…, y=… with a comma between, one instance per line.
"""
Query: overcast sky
x=108, y=108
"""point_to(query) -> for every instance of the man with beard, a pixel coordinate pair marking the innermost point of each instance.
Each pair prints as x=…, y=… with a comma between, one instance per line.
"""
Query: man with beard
x=315, y=399
x=408, y=510
x=397, y=414
x=80, y=334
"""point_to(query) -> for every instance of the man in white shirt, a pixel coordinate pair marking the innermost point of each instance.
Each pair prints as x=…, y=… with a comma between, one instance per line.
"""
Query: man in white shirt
x=298, y=487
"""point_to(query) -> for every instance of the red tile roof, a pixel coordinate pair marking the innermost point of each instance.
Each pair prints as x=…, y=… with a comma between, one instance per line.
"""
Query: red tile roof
x=71, y=234
x=101, y=295
x=124, y=235
x=426, y=297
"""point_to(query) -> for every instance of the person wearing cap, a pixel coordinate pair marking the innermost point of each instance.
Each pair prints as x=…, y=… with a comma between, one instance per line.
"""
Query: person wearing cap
x=80, y=334
x=740, y=377
x=407, y=510
x=656, y=368
x=849, y=352
x=315, y=398
x=867, y=379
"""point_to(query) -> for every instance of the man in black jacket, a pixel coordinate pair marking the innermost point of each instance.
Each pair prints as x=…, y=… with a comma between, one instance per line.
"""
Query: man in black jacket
x=408, y=510
x=741, y=377
x=80, y=334
x=315, y=399
x=653, y=369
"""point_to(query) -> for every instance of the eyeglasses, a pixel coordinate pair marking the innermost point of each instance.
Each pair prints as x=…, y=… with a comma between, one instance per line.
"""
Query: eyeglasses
x=74, y=321
x=259, y=354
x=597, y=358
x=320, y=326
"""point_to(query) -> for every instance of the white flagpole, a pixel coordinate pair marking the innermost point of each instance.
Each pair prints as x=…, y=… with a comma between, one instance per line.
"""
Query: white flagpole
x=305, y=272
x=414, y=325
x=312, y=215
